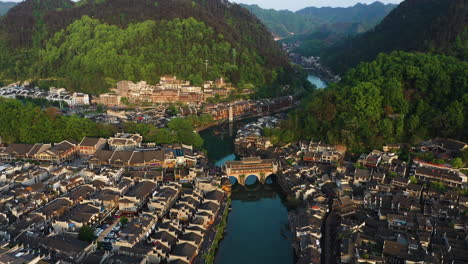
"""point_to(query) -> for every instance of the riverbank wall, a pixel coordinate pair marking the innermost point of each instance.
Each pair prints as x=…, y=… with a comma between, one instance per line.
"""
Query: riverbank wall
x=209, y=257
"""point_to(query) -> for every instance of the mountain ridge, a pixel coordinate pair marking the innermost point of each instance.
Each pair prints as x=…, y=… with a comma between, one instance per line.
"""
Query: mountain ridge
x=243, y=44
x=5, y=6
x=284, y=22
x=415, y=25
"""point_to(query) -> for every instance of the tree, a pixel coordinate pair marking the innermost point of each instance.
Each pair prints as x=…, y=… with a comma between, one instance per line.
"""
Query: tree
x=123, y=220
x=413, y=179
x=464, y=156
x=184, y=132
x=439, y=186
x=164, y=136
x=392, y=175
x=463, y=192
x=82, y=53
x=206, y=119
x=52, y=112
x=457, y=163
x=26, y=123
x=86, y=233
x=125, y=101
x=358, y=165
x=386, y=100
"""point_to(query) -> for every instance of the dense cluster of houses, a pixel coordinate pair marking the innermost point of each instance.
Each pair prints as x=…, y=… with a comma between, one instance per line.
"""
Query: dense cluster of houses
x=57, y=153
x=161, y=114
x=168, y=90
x=134, y=201
x=311, y=63
x=123, y=150
x=390, y=210
x=54, y=94
x=240, y=109
x=306, y=223
x=322, y=153
x=251, y=136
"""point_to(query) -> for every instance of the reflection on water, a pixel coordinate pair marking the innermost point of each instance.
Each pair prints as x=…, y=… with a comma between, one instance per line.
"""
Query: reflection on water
x=313, y=79
x=257, y=231
x=222, y=161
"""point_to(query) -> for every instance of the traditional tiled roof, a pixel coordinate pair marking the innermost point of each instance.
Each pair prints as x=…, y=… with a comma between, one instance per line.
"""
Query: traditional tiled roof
x=81, y=213
x=184, y=250
x=18, y=149
x=90, y=142
x=142, y=189
x=61, y=148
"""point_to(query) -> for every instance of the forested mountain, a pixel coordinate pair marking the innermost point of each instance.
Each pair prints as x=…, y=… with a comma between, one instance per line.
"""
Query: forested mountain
x=399, y=97
x=349, y=20
x=91, y=44
x=5, y=6
x=387, y=94
x=415, y=25
x=359, y=13
x=283, y=23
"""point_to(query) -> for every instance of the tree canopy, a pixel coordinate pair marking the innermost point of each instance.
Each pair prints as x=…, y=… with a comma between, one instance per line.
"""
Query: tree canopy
x=179, y=130
x=86, y=233
x=400, y=97
x=27, y=123
x=415, y=25
x=90, y=56
x=91, y=45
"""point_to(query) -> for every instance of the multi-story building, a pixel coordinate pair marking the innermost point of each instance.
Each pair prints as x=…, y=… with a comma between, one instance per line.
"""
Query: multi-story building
x=168, y=90
x=58, y=153
x=108, y=99
x=89, y=146
x=125, y=141
x=446, y=176
x=165, y=96
x=136, y=196
x=136, y=230
x=80, y=99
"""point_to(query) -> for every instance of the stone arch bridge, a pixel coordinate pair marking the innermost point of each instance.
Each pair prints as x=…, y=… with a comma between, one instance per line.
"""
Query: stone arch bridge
x=241, y=169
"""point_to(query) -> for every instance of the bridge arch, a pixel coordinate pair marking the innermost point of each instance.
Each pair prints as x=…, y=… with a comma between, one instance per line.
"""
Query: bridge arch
x=260, y=168
x=233, y=180
x=251, y=179
x=270, y=179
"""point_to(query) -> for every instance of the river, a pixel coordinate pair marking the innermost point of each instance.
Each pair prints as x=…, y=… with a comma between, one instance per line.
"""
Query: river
x=319, y=83
x=257, y=231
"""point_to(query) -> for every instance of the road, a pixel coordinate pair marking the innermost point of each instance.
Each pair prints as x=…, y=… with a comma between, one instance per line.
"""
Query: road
x=107, y=231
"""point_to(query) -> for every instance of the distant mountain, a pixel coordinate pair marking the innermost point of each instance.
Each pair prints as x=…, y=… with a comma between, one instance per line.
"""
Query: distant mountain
x=91, y=44
x=283, y=23
x=415, y=25
x=5, y=6
x=355, y=19
x=359, y=13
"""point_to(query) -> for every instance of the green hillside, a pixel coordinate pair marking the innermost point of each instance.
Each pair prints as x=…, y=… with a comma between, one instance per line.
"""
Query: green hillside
x=89, y=45
x=349, y=20
x=400, y=97
x=415, y=25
